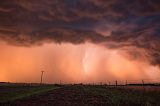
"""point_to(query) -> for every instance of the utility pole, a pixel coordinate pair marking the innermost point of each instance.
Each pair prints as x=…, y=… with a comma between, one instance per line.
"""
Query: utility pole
x=42, y=76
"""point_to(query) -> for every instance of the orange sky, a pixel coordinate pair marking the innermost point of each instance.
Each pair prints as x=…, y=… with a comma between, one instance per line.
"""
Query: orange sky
x=70, y=64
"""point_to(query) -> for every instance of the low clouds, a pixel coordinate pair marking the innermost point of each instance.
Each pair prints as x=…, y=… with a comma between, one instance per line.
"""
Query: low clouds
x=120, y=24
x=57, y=35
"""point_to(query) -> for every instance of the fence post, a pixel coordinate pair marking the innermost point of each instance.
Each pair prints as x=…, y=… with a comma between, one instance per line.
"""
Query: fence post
x=143, y=85
x=116, y=82
x=126, y=82
x=100, y=83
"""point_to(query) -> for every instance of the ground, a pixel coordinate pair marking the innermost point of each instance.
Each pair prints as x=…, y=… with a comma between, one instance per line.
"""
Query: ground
x=85, y=95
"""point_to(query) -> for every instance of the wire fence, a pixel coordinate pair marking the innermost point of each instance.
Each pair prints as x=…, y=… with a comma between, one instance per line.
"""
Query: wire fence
x=153, y=81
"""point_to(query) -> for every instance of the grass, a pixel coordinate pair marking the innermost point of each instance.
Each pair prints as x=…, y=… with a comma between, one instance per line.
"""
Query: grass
x=125, y=97
x=110, y=96
x=13, y=92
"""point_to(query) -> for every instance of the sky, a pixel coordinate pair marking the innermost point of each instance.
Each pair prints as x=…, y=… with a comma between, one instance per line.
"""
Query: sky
x=74, y=41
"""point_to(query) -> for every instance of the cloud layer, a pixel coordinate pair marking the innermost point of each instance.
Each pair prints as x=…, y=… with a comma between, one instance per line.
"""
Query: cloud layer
x=131, y=25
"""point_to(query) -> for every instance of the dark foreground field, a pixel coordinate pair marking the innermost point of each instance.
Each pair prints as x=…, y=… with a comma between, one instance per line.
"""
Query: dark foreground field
x=76, y=95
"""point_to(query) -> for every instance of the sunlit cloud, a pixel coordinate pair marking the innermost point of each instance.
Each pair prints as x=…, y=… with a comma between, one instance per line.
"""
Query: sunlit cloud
x=70, y=63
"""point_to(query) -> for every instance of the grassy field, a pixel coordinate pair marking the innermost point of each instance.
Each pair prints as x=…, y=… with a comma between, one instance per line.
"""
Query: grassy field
x=125, y=97
x=76, y=95
x=11, y=92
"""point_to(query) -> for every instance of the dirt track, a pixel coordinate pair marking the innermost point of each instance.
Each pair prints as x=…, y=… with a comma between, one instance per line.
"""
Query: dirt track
x=66, y=96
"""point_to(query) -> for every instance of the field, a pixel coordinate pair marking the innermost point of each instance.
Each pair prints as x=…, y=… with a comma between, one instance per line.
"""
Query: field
x=12, y=91
x=77, y=95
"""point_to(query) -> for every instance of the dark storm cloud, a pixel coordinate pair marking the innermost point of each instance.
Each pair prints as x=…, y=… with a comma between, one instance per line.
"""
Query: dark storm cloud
x=114, y=23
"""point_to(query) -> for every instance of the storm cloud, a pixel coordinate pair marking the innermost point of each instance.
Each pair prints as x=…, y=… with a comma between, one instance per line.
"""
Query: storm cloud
x=131, y=25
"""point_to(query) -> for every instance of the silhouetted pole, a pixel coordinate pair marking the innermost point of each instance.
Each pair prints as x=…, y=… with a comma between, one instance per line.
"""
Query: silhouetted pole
x=100, y=83
x=126, y=82
x=116, y=82
x=42, y=76
x=60, y=82
x=143, y=85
